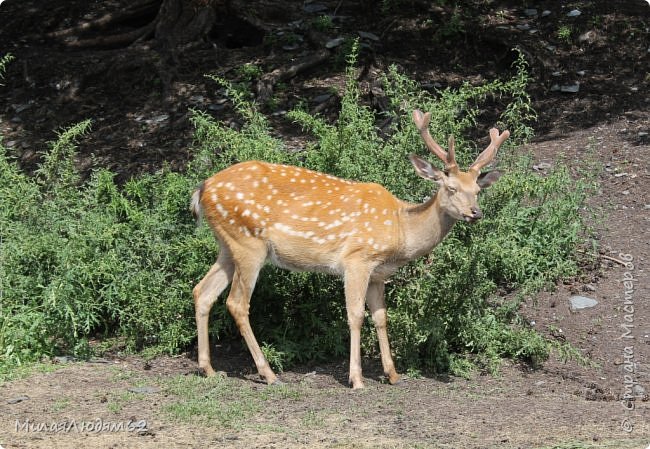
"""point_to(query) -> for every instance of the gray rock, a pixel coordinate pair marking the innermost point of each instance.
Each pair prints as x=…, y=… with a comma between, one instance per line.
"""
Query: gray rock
x=570, y=88
x=582, y=302
x=144, y=390
x=523, y=27
x=370, y=36
x=530, y=12
x=314, y=7
x=18, y=399
x=546, y=12
x=638, y=391
x=322, y=98
x=334, y=42
x=574, y=13
x=542, y=166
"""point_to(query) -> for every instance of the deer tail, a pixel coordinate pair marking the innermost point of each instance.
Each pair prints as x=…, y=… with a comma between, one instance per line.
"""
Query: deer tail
x=195, y=203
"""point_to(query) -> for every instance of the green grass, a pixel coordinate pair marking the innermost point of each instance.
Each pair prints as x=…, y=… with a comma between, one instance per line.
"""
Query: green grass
x=9, y=373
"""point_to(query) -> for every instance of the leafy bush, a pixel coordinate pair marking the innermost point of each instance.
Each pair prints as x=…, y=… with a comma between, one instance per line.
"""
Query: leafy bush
x=440, y=305
x=93, y=259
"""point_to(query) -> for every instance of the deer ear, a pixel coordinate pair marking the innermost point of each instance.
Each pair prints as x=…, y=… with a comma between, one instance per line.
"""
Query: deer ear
x=425, y=170
x=487, y=179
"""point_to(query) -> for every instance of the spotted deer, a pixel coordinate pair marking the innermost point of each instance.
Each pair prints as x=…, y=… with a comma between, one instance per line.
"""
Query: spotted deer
x=304, y=220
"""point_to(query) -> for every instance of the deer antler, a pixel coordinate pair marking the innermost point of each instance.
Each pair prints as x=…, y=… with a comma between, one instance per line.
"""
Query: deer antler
x=488, y=154
x=422, y=123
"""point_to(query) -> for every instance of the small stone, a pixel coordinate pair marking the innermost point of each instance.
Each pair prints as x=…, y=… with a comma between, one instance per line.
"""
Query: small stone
x=542, y=166
x=18, y=399
x=370, y=36
x=523, y=27
x=144, y=390
x=63, y=359
x=539, y=383
x=589, y=287
x=640, y=134
x=334, y=42
x=314, y=7
x=582, y=302
x=581, y=72
x=530, y=12
x=625, y=192
x=570, y=88
x=551, y=48
x=322, y=98
x=588, y=36
x=574, y=13
x=291, y=47
x=638, y=391
x=546, y=12
x=556, y=73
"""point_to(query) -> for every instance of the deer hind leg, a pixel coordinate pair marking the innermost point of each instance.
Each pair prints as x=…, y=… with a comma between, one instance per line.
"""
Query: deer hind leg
x=377, y=307
x=205, y=294
x=238, y=304
x=356, y=285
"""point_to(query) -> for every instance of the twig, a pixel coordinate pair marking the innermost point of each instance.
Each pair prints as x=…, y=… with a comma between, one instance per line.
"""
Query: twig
x=614, y=259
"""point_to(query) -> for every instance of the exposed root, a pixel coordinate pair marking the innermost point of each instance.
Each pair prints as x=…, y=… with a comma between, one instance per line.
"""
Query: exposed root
x=267, y=82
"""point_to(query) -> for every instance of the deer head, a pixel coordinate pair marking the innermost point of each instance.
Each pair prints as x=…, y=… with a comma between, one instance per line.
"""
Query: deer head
x=458, y=194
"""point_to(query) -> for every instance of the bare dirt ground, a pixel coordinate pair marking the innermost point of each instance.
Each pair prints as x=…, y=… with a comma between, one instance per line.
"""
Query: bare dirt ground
x=561, y=405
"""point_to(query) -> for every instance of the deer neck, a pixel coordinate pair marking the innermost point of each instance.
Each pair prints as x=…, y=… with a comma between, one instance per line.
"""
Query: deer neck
x=425, y=225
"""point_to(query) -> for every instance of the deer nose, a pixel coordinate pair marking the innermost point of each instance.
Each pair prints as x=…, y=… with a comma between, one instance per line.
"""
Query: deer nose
x=476, y=213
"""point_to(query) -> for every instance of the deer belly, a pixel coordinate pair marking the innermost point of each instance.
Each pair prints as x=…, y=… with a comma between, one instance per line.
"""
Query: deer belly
x=302, y=256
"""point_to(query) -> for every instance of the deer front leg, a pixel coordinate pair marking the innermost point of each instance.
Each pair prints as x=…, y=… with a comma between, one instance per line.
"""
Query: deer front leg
x=356, y=285
x=205, y=294
x=377, y=306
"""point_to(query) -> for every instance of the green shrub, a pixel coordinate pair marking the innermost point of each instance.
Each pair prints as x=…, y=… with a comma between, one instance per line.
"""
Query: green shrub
x=93, y=259
x=443, y=304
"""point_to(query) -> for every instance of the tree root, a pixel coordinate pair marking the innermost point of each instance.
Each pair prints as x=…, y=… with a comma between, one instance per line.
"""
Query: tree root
x=141, y=9
x=115, y=40
x=267, y=82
